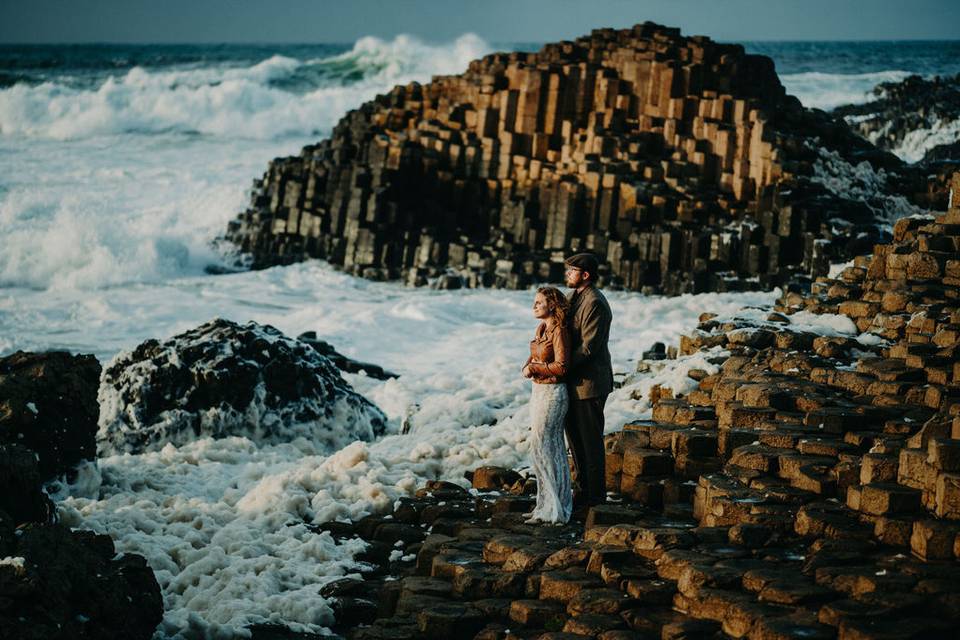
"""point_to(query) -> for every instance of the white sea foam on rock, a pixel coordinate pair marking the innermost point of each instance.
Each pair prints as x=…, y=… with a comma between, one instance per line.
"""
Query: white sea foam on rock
x=225, y=379
x=918, y=142
x=860, y=182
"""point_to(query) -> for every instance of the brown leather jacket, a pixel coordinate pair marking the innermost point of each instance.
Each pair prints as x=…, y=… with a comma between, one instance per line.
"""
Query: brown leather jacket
x=549, y=354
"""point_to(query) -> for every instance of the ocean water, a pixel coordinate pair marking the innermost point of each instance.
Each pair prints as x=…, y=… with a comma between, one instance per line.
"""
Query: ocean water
x=118, y=167
x=827, y=74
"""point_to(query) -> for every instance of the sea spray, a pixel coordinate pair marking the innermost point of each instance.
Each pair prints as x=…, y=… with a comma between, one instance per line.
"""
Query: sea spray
x=275, y=97
x=126, y=175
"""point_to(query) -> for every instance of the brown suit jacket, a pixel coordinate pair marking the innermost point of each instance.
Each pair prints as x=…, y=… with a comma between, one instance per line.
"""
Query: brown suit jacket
x=590, y=374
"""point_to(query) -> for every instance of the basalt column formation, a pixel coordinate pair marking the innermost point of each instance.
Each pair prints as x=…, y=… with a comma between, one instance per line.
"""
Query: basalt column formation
x=680, y=161
x=808, y=487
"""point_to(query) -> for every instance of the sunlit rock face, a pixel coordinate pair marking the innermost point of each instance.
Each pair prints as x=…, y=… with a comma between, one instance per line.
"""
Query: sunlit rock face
x=681, y=162
x=225, y=379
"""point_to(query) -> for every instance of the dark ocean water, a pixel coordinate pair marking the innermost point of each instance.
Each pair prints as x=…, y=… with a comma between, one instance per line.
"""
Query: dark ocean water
x=924, y=57
x=85, y=65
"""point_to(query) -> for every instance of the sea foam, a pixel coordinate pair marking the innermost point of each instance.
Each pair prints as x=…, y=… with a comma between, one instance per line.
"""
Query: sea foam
x=919, y=141
x=226, y=379
x=223, y=522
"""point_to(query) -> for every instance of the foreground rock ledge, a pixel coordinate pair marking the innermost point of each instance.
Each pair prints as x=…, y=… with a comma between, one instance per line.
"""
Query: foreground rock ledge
x=680, y=161
x=58, y=583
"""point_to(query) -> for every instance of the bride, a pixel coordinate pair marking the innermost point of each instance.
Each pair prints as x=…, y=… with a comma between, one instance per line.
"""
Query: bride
x=547, y=366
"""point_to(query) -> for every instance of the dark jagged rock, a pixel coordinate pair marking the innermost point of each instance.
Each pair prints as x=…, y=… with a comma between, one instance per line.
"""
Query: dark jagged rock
x=225, y=379
x=58, y=583
x=22, y=498
x=944, y=152
x=681, y=162
x=657, y=351
x=342, y=362
x=48, y=403
x=904, y=110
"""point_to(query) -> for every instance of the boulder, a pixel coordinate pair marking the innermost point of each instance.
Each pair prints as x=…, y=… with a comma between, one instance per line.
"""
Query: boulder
x=48, y=403
x=57, y=583
x=22, y=498
x=225, y=379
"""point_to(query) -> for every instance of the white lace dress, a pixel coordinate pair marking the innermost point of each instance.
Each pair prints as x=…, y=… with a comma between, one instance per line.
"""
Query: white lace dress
x=548, y=453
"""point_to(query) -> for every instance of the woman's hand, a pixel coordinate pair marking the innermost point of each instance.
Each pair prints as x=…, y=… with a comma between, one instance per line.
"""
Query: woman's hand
x=526, y=371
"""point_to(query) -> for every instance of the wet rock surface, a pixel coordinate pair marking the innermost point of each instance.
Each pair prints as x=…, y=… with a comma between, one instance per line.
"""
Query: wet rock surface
x=904, y=115
x=810, y=488
x=681, y=162
x=22, y=498
x=57, y=583
x=48, y=404
x=54, y=582
x=225, y=379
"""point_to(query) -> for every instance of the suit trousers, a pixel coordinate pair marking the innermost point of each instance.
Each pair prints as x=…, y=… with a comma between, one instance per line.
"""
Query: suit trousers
x=584, y=429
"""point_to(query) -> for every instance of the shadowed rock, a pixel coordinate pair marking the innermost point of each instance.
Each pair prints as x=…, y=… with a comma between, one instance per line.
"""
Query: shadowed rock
x=48, y=403
x=914, y=108
x=22, y=498
x=72, y=584
x=224, y=379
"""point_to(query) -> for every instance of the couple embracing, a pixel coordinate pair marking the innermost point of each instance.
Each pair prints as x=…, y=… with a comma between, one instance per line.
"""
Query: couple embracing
x=570, y=367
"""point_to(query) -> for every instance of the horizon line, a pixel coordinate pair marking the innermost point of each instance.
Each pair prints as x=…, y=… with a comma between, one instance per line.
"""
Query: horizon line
x=351, y=42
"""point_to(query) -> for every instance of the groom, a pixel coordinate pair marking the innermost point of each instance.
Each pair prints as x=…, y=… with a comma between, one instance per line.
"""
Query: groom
x=590, y=377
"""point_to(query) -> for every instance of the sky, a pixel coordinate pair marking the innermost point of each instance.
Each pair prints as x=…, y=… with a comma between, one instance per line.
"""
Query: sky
x=308, y=21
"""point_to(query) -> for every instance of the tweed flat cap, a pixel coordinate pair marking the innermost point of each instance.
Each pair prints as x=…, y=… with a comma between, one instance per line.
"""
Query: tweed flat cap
x=584, y=261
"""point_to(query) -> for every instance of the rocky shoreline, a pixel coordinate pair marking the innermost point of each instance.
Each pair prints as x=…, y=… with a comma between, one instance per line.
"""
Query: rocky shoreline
x=807, y=487
x=810, y=489
x=681, y=162
x=907, y=113
x=56, y=582
x=59, y=411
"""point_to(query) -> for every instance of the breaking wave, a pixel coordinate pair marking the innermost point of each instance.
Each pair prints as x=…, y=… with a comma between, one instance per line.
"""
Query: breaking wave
x=274, y=97
x=828, y=90
x=128, y=163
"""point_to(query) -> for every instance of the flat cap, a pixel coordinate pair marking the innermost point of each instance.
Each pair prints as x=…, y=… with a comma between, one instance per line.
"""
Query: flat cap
x=584, y=261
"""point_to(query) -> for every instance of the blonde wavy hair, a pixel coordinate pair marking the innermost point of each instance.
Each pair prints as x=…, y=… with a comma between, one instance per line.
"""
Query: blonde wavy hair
x=557, y=303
